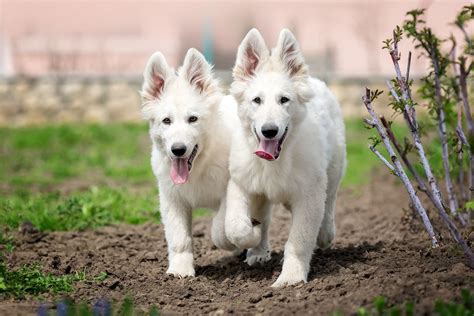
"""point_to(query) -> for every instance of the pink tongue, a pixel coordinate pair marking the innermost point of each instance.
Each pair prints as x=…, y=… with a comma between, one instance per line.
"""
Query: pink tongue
x=267, y=149
x=179, y=170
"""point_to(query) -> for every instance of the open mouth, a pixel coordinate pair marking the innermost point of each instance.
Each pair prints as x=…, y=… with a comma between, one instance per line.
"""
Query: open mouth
x=270, y=149
x=181, y=167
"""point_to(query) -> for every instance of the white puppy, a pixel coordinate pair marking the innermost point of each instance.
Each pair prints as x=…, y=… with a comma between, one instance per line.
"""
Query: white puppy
x=190, y=128
x=289, y=149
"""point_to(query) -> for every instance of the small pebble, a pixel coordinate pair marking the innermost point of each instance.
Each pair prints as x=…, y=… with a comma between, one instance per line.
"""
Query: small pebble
x=255, y=299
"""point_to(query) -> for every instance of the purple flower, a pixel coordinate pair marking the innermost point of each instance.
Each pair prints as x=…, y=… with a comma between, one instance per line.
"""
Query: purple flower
x=101, y=308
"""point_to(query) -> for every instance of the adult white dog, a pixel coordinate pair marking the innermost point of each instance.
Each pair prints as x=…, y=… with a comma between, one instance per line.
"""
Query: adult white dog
x=289, y=149
x=190, y=127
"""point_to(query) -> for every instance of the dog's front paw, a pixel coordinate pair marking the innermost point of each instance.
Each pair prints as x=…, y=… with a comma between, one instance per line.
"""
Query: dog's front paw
x=181, y=265
x=326, y=236
x=294, y=271
x=258, y=255
x=243, y=234
x=292, y=278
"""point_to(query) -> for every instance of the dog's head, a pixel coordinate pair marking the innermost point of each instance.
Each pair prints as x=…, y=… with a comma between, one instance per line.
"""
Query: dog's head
x=179, y=106
x=271, y=89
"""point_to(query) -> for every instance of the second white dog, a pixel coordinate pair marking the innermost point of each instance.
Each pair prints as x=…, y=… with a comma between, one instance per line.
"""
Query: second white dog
x=289, y=149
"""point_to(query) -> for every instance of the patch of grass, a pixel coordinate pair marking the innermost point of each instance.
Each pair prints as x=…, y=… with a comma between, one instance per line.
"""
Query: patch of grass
x=381, y=308
x=360, y=160
x=77, y=176
x=93, y=208
x=30, y=280
x=359, y=157
x=43, y=156
x=6, y=242
x=460, y=306
x=463, y=306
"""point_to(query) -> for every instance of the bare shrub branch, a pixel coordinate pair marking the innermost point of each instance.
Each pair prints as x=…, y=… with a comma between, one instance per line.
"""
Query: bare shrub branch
x=398, y=169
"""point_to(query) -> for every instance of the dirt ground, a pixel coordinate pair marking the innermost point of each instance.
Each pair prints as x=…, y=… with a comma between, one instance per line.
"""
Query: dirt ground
x=378, y=251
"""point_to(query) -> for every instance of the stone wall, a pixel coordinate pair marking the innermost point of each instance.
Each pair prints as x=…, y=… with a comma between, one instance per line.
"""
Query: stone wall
x=28, y=101
x=51, y=100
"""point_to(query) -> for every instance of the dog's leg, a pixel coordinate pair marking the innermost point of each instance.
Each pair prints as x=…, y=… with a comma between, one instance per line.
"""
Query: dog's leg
x=328, y=227
x=177, y=222
x=218, y=229
x=261, y=212
x=308, y=212
x=238, y=222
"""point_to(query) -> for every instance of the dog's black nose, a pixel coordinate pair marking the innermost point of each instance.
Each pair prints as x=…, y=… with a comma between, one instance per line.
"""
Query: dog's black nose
x=269, y=130
x=178, y=149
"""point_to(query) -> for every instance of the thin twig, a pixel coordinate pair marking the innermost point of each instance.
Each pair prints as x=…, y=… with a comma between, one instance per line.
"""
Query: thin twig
x=399, y=170
x=464, y=73
x=467, y=38
x=464, y=142
x=470, y=127
x=453, y=202
x=368, y=122
x=406, y=161
x=407, y=76
x=382, y=158
x=406, y=114
x=459, y=129
x=462, y=137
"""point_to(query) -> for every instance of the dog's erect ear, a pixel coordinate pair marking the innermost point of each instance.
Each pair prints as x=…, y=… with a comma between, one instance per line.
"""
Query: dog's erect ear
x=252, y=51
x=289, y=53
x=155, y=75
x=197, y=70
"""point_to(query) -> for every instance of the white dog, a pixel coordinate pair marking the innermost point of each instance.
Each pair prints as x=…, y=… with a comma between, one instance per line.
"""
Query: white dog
x=190, y=127
x=290, y=149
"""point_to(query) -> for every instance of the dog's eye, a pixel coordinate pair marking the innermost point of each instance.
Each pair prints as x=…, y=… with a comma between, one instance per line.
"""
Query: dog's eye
x=192, y=119
x=257, y=100
x=166, y=121
x=284, y=100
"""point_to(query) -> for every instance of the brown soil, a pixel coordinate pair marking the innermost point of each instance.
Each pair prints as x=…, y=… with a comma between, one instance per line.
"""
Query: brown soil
x=380, y=249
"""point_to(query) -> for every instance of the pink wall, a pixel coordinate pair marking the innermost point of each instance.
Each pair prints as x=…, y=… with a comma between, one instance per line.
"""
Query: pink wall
x=87, y=37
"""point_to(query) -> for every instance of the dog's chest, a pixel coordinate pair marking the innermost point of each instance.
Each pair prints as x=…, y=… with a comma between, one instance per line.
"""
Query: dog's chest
x=272, y=181
x=205, y=188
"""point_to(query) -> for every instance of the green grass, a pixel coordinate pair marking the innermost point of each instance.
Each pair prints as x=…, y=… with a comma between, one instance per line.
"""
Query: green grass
x=81, y=210
x=361, y=161
x=30, y=280
x=42, y=156
x=6, y=242
x=73, y=177
x=460, y=306
x=82, y=176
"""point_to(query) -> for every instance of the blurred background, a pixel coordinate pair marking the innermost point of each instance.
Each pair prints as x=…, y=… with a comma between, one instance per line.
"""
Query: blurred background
x=81, y=60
